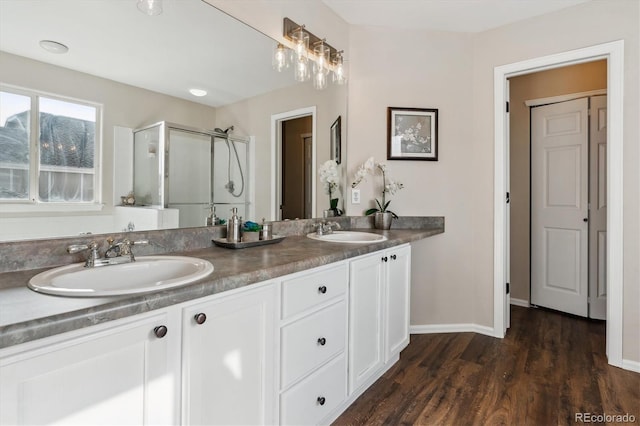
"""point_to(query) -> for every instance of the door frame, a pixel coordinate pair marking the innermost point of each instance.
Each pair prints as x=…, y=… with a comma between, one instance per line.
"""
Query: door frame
x=276, y=152
x=613, y=52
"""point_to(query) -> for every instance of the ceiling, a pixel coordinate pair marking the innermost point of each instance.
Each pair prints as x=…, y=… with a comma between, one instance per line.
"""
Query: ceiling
x=189, y=45
x=443, y=15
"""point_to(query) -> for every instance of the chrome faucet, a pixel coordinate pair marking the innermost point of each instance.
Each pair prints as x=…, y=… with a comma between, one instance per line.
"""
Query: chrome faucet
x=324, y=228
x=115, y=254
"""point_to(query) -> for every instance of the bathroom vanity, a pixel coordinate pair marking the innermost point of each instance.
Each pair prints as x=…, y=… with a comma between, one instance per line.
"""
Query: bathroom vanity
x=290, y=333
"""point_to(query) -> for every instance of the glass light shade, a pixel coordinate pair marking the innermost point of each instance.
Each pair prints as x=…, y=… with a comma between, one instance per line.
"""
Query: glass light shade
x=301, y=72
x=320, y=80
x=321, y=51
x=300, y=40
x=280, y=58
x=150, y=7
x=339, y=73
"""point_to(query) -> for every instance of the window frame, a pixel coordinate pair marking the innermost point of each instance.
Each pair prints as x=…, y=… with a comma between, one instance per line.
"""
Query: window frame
x=33, y=203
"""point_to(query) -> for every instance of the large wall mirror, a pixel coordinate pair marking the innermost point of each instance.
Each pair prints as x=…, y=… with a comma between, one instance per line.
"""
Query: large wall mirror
x=139, y=69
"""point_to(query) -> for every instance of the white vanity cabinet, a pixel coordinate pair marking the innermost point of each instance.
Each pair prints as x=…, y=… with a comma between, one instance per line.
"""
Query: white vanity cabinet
x=228, y=358
x=117, y=373
x=378, y=312
x=313, y=342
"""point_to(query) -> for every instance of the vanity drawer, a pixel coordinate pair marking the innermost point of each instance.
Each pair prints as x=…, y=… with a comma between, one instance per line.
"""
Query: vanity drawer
x=305, y=291
x=317, y=396
x=311, y=341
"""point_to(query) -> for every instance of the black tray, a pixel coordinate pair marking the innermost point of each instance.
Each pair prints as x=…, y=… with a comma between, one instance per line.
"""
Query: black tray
x=222, y=242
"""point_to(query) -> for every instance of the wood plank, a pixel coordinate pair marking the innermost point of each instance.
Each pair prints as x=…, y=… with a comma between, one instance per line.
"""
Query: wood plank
x=549, y=367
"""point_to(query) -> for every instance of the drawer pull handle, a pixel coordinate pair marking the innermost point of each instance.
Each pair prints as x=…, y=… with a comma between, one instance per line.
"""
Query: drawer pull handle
x=322, y=341
x=385, y=259
x=321, y=400
x=200, y=318
x=160, y=331
x=393, y=257
x=322, y=289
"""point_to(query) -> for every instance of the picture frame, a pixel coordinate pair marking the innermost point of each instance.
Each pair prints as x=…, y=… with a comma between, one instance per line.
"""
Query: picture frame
x=336, y=140
x=412, y=134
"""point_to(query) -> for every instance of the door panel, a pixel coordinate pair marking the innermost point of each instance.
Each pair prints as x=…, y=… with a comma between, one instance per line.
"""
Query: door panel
x=598, y=211
x=559, y=202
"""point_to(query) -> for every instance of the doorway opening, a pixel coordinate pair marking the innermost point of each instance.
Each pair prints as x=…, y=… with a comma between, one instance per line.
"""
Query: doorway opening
x=613, y=52
x=557, y=159
x=293, y=154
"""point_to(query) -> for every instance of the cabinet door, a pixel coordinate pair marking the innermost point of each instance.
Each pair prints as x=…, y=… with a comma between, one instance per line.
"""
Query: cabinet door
x=397, y=285
x=228, y=360
x=365, y=318
x=123, y=375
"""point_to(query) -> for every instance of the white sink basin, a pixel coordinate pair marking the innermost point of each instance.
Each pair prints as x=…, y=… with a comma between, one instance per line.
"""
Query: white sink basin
x=352, y=237
x=147, y=273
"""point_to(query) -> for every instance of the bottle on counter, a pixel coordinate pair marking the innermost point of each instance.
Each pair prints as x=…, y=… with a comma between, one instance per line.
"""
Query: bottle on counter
x=234, y=227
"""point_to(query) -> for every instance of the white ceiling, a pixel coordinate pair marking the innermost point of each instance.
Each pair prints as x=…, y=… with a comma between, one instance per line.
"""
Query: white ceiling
x=190, y=45
x=443, y=15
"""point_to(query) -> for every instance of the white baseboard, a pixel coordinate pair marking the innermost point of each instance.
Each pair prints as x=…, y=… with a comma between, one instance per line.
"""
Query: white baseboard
x=451, y=328
x=631, y=365
x=520, y=302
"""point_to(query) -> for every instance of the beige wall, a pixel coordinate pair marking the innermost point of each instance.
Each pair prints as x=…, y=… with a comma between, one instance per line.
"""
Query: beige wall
x=559, y=81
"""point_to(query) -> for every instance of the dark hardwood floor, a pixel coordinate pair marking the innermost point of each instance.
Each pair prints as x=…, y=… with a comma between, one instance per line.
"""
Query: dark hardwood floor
x=548, y=367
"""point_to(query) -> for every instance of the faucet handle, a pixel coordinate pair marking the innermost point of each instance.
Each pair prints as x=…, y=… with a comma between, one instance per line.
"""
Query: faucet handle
x=75, y=248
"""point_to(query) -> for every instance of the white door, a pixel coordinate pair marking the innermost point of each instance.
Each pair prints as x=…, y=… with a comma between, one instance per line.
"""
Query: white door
x=365, y=319
x=228, y=360
x=559, y=203
x=125, y=375
x=598, y=208
x=397, y=288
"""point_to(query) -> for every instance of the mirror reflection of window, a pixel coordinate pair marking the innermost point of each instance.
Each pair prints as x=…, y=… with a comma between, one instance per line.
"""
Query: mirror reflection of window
x=66, y=149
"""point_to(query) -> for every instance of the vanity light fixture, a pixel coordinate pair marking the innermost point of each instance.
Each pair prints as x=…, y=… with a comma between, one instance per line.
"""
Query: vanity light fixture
x=54, y=46
x=306, y=48
x=150, y=7
x=198, y=92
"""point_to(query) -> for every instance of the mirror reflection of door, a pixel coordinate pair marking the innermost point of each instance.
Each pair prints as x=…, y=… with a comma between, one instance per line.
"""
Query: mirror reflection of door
x=296, y=168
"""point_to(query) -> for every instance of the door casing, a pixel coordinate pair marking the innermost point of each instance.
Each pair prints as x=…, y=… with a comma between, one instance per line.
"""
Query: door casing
x=613, y=52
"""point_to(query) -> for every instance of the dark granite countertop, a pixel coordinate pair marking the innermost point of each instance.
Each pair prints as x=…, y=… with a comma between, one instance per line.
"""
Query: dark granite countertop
x=26, y=315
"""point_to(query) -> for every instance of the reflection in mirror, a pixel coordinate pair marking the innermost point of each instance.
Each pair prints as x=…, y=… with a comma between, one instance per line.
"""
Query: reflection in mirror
x=139, y=73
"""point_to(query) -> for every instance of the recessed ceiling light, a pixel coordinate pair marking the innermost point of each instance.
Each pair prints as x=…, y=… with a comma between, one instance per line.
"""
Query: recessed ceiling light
x=198, y=92
x=53, y=46
x=150, y=7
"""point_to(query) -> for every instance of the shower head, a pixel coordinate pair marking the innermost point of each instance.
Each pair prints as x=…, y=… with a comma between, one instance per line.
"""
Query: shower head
x=228, y=129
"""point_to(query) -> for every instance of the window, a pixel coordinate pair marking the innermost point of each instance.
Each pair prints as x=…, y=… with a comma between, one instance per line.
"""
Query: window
x=48, y=149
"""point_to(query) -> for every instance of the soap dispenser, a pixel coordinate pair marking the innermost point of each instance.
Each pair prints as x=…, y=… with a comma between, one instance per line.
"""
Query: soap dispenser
x=234, y=227
x=212, y=219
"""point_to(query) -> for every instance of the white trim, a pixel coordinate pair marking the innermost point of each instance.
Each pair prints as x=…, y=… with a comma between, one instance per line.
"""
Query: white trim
x=275, y=154
x=451, y=328
x=627, y=364
x=614, y=53
x=520, y=302
x=50, y=207
x=564, y=98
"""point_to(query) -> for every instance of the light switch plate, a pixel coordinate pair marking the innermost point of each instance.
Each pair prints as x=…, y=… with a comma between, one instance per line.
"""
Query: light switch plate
x=355, y=196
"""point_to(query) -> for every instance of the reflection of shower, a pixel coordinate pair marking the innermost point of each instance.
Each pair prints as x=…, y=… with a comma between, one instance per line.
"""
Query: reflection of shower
x=230, y=185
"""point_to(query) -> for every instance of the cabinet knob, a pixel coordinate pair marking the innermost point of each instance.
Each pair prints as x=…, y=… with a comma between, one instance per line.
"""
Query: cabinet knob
x=322, y=289
x=160, y=331
x=321, y=400
x=384, y=259
x=393, y=257
x=200, y=318
x=322, y=341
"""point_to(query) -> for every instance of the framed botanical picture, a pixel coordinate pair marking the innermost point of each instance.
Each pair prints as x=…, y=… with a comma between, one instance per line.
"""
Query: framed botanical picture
x=412, y=134
x=336, y=140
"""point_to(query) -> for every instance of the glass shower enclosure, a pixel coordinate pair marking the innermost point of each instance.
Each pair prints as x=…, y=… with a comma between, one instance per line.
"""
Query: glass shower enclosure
x=188, y=169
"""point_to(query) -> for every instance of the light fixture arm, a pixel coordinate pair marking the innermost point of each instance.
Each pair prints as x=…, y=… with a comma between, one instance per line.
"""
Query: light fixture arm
x=289, y=27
